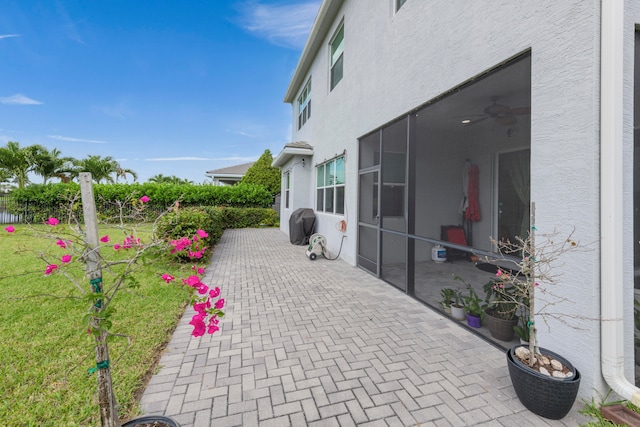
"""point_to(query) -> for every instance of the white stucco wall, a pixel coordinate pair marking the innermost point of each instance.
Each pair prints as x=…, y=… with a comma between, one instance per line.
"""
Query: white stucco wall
x=302, y=174
x=396, y=62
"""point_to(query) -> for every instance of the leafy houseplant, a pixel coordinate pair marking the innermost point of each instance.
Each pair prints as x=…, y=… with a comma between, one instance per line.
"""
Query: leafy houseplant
x=447, y=298
x=75, y=252
x=474, y=306
x=453, y=297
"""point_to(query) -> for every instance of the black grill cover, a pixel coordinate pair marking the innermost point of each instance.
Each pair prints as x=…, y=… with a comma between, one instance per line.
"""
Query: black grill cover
x=301, y=226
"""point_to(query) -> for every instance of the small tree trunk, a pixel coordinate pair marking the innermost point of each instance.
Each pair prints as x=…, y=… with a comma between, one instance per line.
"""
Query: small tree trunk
x=532, y=283
x=106, y=398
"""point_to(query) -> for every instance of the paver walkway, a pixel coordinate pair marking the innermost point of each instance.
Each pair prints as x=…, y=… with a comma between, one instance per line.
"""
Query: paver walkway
x=322, y=343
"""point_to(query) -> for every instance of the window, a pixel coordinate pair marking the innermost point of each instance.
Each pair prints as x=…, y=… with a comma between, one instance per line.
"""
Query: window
x=304, y=104
x=287, y=186
x=399, y=4
x=330, y=186
x=337, y=48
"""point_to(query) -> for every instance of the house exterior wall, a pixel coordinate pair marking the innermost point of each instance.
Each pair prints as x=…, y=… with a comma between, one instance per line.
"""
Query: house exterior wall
x=299, y=194
x=394, y=62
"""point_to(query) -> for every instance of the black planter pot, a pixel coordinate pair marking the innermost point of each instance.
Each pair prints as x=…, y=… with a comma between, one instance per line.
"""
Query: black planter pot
x=548, y=397
x=150, y=419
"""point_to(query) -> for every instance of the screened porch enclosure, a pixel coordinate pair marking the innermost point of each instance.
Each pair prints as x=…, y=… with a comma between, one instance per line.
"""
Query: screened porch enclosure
x=459, y=163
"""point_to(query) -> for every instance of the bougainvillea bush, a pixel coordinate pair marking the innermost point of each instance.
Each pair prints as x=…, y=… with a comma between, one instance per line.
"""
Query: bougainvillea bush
x=128, y=255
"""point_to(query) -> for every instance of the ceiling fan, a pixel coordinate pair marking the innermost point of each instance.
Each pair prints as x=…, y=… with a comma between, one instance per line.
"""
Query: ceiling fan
x=499, y=113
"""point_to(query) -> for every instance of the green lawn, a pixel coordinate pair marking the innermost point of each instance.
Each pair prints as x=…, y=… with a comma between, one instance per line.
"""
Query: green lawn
x=45, y=351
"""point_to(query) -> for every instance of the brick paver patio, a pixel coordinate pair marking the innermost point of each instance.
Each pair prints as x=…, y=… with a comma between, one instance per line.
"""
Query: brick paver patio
x=322, y=343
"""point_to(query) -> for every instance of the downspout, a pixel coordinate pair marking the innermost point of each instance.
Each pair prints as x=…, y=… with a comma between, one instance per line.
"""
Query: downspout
x=611, y=200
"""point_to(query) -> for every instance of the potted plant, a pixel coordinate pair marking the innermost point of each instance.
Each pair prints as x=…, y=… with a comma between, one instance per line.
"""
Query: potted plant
x=474, y=307
x=545, y=382
x=447, y=295
x=455, y=302
x=500, y=313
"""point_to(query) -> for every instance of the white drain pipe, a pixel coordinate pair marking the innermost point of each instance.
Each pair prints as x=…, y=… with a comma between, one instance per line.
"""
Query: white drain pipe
x=611, y=200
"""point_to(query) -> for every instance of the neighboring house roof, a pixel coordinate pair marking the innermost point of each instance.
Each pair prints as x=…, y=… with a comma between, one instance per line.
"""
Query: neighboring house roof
x=230, y=174
x=321, y=26
x=291, y=149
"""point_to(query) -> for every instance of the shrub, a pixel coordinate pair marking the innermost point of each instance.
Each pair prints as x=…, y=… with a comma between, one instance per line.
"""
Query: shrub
x=247, y=217
x=38, y=202
x=187, y=222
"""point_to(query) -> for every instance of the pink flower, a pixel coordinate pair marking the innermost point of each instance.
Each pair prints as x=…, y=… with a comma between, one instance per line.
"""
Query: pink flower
x=10, y=229
x=198, y=325
x=213, y=329
x=201, y=307
x=52, y=221
x=192, y=281
x=104, y=239
x=202, y=233
x=202, y=288
x=220, y=303
x=537, y=284
x=499, y=273
x=61, y=243
x=214, y=292
x=66, y=258
x=200, y=270
x=50, y=269
x=144, y=199
x=168, y=278
x=116, y=246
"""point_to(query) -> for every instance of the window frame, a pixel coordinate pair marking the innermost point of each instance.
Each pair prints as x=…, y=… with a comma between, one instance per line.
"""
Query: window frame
x=336, y=57
x=287, y=188
x=304, y=104
x=331, y=186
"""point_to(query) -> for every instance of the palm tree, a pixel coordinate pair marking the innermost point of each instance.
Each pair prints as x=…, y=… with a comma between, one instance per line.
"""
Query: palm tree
x=161, y=179
x=122, y=172
x=18, y=161
x=158, y=179
x=49, y=164
x=100, y=168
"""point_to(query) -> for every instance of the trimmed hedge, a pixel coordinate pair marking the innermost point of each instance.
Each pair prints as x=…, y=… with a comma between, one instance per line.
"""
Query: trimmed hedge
x=37, y=201
x=214, y=220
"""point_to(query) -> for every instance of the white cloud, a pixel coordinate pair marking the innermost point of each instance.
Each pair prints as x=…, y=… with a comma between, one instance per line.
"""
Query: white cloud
x=120, y=110
x=209, y=159
x=66, y=138
x=282, y=24
x=239, y=132
x=6, y=36
x=18, y=99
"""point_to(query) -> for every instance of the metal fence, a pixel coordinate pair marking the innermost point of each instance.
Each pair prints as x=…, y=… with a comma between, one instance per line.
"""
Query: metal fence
x=5, y=217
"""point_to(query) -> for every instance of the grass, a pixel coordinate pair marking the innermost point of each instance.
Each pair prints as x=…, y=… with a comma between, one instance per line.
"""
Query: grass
x=45, y=351
x=592, y=410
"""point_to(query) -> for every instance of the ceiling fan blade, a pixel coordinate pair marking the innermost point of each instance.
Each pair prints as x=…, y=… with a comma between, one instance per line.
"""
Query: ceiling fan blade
x=507, y=119
x=473, y=122
x=520, y=111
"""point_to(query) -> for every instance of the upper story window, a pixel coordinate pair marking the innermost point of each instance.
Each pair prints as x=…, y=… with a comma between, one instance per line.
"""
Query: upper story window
x=304, y=104
x=337, y=48
x=399, y=4
x=330, y=186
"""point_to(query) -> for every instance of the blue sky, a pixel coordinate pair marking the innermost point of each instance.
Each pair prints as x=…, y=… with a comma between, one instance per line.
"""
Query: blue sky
x=165, y=87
